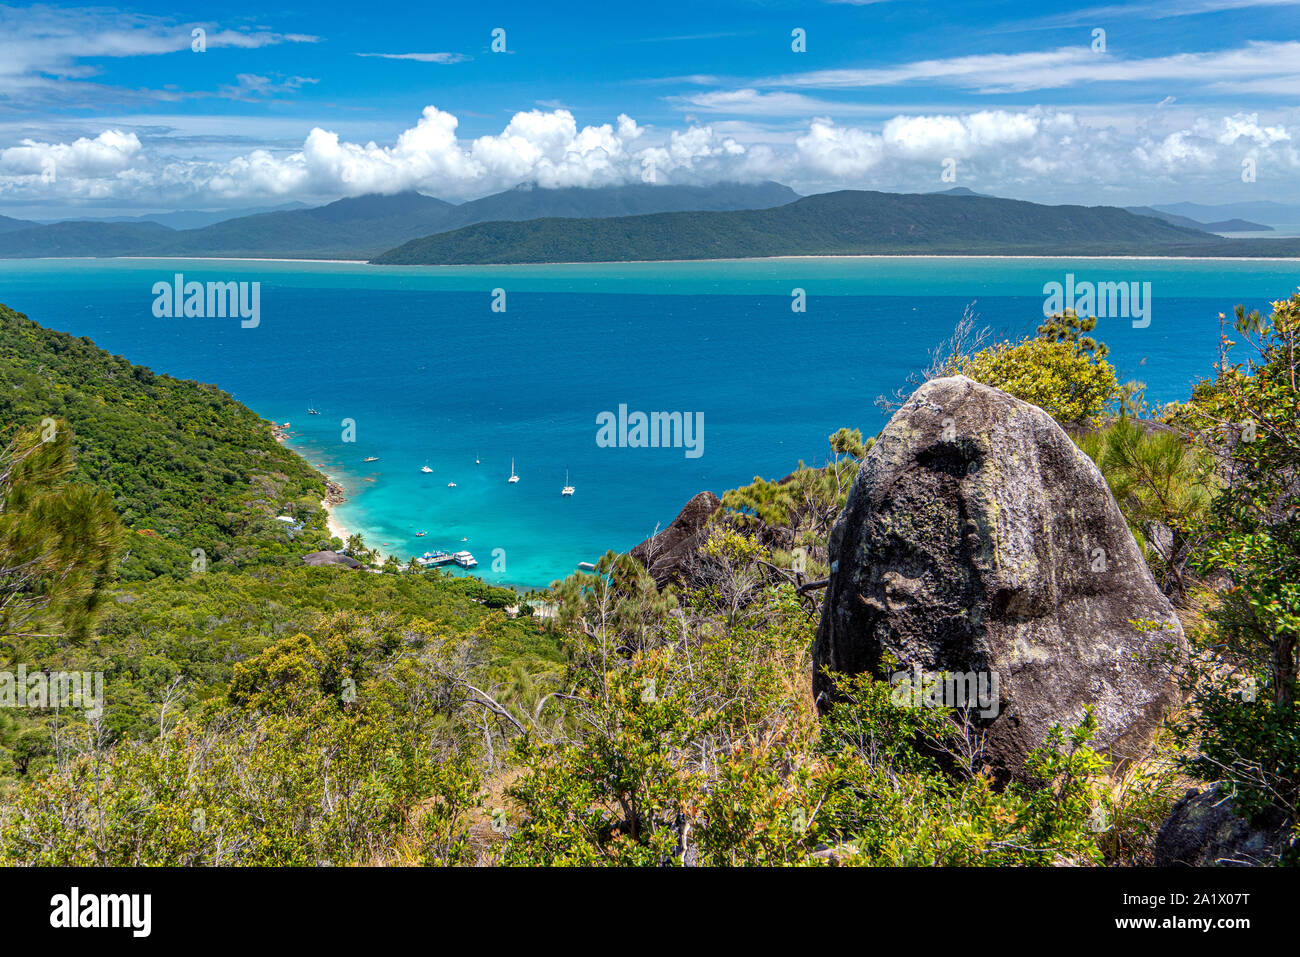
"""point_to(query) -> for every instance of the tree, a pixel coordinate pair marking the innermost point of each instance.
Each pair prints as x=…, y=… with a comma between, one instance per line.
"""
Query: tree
x=58, y=539
x=1247, y=417
x=1159, y=480
x=1061, y=370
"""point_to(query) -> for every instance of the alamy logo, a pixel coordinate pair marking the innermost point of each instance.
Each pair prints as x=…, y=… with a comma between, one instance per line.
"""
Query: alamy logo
x=1104, y=300
x=653, y=430
x=215, y=300
x=134, y=911
x=946, y=689
x=55, y=689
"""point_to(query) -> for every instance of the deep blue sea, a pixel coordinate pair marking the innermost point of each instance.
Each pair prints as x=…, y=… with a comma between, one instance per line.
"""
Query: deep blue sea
x=429, y=373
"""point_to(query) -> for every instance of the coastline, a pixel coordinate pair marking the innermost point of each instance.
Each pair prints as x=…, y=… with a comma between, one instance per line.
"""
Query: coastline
x=332, y=522
x=633, y=262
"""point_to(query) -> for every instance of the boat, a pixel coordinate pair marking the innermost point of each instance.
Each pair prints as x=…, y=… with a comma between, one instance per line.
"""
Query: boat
x=421, y=534
x=426, y=470
x=371, y=458
x=568, y=489
x=433, y=559
x=476, y=461
x=586, y=566
x=451, y=485
x=311, y=411
x=513, y=477
x=464, y=559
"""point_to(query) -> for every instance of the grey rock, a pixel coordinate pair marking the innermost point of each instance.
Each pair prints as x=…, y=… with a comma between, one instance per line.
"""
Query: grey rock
x=977, y=538
x=1205, y=830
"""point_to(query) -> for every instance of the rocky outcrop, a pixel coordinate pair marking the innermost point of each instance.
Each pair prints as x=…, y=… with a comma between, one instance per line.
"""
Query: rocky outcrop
x=978, y=540
x=1205, y=830
x=667, y=555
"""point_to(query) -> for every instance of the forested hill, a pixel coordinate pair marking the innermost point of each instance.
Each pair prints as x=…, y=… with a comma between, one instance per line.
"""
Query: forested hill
x=847, y=222
x=188, y=467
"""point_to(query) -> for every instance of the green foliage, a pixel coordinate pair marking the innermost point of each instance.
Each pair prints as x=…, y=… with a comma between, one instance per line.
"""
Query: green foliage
x=185, y=464
x=297, y=775
x=1159, y=479
x=1247, y=417
x=1060, y=371
x=58, y=541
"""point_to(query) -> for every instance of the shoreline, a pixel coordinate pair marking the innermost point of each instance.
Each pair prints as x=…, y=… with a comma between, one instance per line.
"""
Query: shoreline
x=633, y=262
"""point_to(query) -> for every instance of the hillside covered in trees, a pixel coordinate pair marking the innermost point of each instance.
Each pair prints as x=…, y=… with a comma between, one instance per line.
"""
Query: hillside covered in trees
x=263, y=712
x=843, y=223
x=186, y=465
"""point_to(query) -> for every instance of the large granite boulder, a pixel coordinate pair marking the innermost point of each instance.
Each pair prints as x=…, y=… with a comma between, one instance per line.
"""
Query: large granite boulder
x=1204, y=829
x=667, y=554
x=979, y=541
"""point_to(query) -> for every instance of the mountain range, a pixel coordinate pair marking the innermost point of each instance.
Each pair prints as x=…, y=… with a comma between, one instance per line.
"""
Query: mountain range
x=643, y=221
x=364, y=226
x=848, y=222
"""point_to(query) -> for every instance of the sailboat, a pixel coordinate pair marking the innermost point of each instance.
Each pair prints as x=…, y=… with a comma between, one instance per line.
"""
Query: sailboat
x=568, y=489
x=312, y=411
x=476, y=461
x=513, y=477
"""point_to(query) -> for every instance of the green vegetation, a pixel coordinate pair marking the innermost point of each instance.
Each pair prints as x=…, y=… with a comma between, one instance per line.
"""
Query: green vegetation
x=186, y=465
x=848, y=222
x=1062, y=371
x=264, y=712
x=1246, y=730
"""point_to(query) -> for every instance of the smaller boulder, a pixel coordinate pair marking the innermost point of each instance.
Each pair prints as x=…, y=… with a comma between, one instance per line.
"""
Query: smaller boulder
x=667, y=554
x=1205, y=830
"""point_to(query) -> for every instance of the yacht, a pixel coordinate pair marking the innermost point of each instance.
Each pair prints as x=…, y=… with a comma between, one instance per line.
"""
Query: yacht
x=464, y=559
x=451, y=485
x=513, y=477
x=568, y=489
x=371, y=458
x=426, y=470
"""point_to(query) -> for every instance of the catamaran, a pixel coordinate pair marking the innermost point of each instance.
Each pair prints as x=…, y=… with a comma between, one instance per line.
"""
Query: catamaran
x=513, y=477
x=568, y=489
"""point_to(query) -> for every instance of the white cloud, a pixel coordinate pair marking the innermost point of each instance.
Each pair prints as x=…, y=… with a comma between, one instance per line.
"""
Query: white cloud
x=421, y=57
x=1270, y=64
x=47, y=53
x=1032, y=153
x=108, y=153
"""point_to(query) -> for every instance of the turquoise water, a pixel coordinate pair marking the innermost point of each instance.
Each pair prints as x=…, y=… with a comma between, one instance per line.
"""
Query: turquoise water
x=429, y=373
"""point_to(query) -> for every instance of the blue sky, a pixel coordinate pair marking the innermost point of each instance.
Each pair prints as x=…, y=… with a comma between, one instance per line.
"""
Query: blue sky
x=110, y=110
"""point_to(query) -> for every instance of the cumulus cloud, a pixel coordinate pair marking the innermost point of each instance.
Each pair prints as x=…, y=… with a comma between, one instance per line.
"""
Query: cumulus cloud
x=108, y=153
x=1033, y=153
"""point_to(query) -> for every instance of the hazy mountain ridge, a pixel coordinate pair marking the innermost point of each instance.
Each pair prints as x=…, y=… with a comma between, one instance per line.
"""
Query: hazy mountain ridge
x=365, y=226
x=847, y=222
